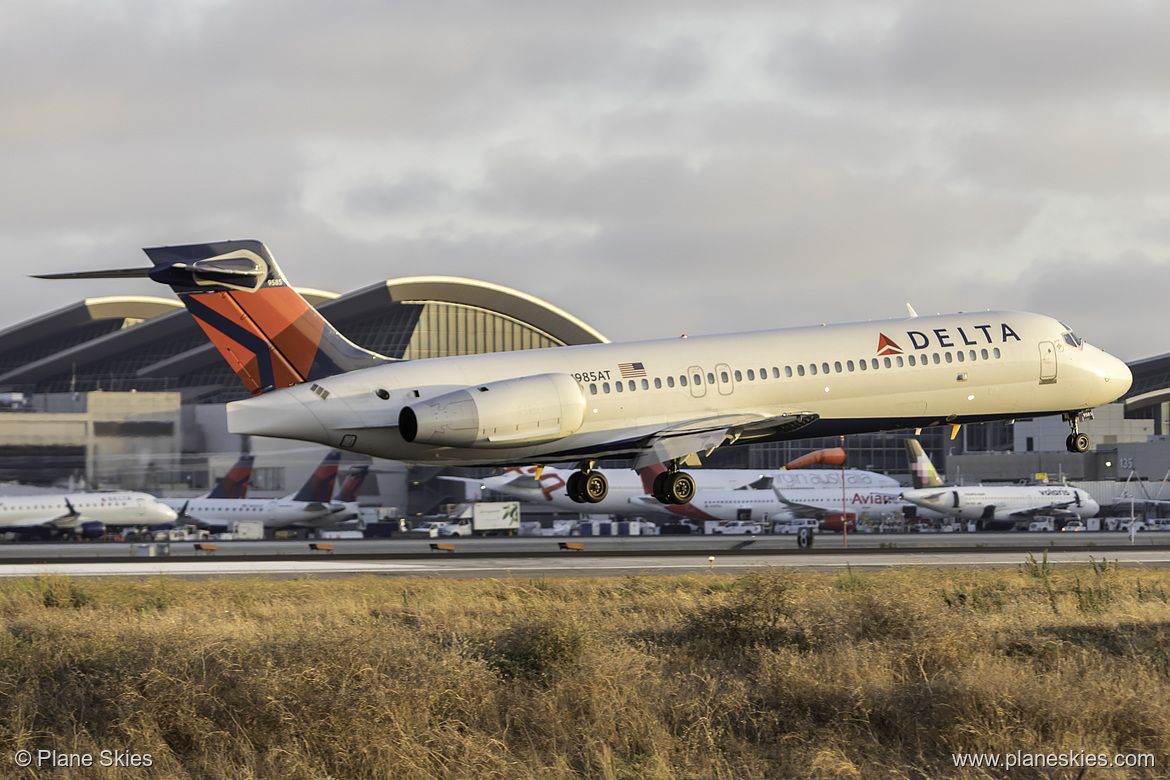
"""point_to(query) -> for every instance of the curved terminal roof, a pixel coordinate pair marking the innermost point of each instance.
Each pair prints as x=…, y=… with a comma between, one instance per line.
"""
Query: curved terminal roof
x=1151, y=383
x=76, y=324
x=556, y=322
x=91, y=344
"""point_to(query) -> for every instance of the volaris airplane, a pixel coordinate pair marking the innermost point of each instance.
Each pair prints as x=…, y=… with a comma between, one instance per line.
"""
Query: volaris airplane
x=658, y=401
x=993, y=507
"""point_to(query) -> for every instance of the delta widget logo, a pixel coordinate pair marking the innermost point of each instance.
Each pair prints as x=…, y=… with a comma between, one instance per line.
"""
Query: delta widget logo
x=886, y=346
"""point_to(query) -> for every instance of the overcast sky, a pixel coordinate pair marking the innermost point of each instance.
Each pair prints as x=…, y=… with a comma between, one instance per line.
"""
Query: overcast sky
x=654, y=168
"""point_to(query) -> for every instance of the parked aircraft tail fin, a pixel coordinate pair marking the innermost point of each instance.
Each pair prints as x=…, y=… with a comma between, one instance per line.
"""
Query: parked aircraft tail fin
x=318, y=488
x=352, y=485
x=235, y=482
x=922, y=471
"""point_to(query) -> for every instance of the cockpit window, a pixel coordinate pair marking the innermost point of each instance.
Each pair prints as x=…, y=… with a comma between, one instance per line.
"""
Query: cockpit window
x=1072, y=339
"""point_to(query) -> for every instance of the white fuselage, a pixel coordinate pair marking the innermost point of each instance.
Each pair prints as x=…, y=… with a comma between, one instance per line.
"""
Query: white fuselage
x=1005, y=502
x=626, y=488
x=782, y=505
x=275, y=512
x=564, y=403
x=120, y=508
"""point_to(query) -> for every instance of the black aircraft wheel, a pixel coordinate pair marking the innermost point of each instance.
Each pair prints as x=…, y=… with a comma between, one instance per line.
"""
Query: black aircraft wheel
x=658, y=490
x=679, y=488
x=1080, y=442
x=596, y=487
x=573, y=487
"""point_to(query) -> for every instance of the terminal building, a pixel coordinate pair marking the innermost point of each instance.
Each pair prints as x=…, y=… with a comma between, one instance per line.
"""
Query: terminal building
x=127, y=392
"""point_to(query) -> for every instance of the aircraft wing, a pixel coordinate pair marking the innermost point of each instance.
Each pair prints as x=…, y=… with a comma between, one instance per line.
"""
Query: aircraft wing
x=1032, y=511
x=704, y=435
x=799, y=509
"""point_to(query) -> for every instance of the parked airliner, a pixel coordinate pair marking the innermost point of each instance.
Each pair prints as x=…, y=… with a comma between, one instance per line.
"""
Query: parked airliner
x=83, y=514
x=658, y=401
x=766, y=501
x=312, y=506
x=627, y=488
x=993, y=507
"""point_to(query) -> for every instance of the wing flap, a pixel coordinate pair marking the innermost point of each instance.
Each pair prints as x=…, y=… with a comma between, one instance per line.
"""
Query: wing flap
x=703, y=435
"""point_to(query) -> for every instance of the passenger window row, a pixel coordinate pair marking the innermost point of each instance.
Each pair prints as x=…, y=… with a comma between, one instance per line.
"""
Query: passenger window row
x=812, y=369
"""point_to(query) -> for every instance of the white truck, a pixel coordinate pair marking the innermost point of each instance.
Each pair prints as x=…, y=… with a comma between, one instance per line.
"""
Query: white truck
x=484, y=518
x=248, y=529
x=733, y=527
x=1042, y=523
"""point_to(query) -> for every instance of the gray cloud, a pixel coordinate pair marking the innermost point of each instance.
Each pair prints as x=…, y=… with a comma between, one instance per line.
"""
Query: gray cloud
x=653, y=168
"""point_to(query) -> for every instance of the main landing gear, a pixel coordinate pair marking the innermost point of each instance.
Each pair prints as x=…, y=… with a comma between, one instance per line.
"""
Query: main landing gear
x=1076, y=442
x=673, y=486
x=587, y=486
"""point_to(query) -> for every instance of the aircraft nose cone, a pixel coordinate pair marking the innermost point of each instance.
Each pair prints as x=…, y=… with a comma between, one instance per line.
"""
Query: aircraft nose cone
x=1117, y=375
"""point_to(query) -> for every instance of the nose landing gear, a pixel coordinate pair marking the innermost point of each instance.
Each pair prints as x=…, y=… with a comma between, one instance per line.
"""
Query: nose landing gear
x=1076, y=442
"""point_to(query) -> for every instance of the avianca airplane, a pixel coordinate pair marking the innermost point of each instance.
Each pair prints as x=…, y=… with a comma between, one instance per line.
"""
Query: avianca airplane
x=311, y=506
x=766, y=500
x=993, y=506
x=83, y=514
x=658, y=401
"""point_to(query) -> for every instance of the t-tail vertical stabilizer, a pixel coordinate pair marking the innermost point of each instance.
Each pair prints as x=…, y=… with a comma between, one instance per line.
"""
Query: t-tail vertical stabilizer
x=267, y=332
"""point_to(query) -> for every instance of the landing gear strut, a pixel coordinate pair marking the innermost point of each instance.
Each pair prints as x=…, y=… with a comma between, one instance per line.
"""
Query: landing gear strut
x=1076, y=442
x=673, y=486
x=587, y=486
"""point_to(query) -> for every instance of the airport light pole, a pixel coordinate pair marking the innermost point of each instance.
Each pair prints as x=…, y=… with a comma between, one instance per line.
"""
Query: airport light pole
x=844, y=503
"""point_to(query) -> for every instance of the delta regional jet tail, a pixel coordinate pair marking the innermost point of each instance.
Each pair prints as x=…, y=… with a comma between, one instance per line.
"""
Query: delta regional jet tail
x=658, y=401
x=310, y=507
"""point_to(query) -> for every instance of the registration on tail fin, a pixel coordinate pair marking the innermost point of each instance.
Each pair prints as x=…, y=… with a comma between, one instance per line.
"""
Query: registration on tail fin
x=922, y=471
x=265, y=330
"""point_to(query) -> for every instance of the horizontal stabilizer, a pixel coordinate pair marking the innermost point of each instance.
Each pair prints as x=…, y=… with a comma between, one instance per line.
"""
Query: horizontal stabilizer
x=109, y=273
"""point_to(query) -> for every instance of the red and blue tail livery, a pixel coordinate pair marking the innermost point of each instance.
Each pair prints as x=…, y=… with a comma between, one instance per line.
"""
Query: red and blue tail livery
x=268, y=333
x=318, y=488
x=235, y=482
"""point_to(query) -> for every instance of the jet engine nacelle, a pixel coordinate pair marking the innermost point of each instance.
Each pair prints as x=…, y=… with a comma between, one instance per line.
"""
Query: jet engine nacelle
x=91, y=530
x=532, y=409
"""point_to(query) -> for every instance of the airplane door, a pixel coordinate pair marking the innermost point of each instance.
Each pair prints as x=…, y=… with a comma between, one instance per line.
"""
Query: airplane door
x=141, y=506
x=1047, y=362
x=723, y=379
x=696, y=381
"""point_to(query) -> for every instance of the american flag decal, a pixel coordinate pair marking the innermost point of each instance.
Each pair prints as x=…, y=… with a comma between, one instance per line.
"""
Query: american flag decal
x=631, y=370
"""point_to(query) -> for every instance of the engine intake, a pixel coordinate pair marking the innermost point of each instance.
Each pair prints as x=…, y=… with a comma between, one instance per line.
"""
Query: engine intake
x=526, y=410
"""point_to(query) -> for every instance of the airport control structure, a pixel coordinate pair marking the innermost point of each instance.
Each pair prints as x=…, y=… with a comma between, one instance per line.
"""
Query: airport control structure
x=127, y=392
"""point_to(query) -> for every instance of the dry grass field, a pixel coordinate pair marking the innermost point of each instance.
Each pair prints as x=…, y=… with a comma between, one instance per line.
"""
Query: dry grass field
x=771, y=675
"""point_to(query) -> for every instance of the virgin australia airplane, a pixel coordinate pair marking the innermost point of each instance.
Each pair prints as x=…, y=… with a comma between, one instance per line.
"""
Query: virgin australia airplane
x=993, y=507
x=658, y=401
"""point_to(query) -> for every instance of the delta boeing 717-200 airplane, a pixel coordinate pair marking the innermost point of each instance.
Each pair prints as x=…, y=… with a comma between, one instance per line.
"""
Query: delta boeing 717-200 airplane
x=657, y=401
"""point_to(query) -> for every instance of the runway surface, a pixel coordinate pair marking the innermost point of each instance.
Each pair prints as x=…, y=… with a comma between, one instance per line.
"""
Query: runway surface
x=531, y=557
